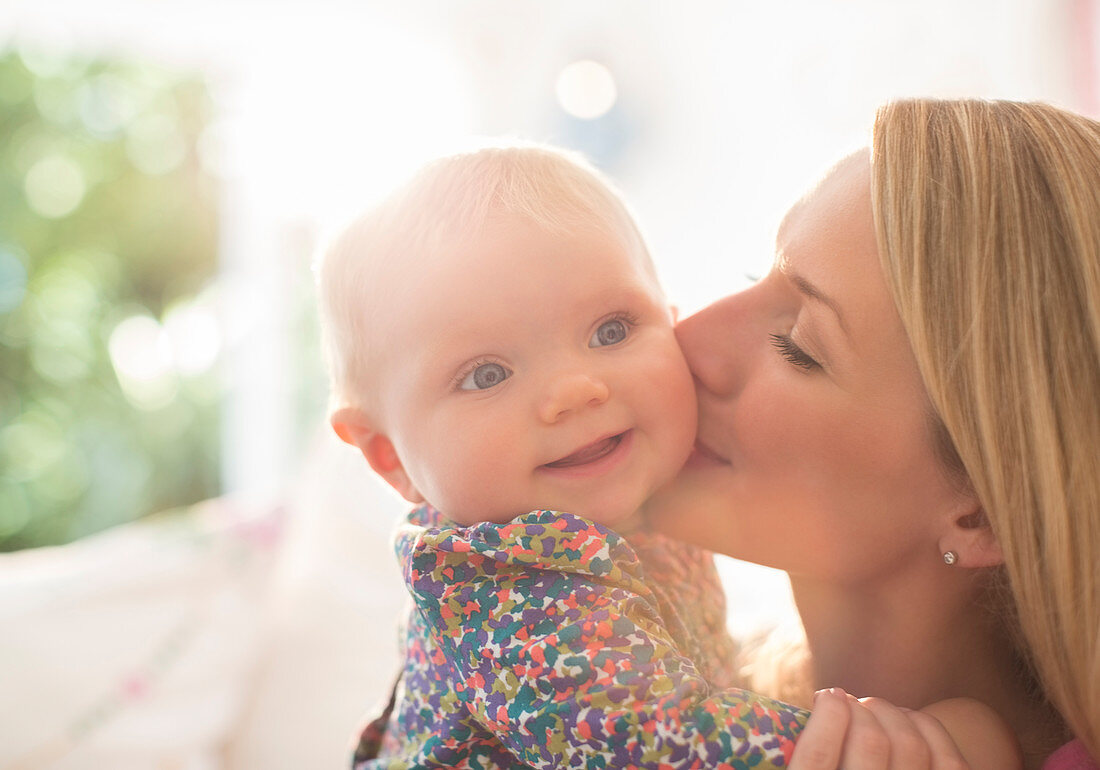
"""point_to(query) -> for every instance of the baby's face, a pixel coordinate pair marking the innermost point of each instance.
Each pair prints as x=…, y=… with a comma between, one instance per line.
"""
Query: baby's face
x=535, y=371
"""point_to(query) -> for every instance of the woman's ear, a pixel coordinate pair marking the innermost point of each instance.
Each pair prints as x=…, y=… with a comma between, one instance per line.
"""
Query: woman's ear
x=352, y=426
x=970, y=537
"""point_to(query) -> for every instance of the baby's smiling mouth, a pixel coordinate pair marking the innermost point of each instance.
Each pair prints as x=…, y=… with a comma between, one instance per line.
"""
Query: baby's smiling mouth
x=590, y=453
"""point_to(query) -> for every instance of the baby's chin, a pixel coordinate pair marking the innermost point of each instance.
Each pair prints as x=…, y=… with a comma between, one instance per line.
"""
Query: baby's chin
x=621, y=521
x=465, y=518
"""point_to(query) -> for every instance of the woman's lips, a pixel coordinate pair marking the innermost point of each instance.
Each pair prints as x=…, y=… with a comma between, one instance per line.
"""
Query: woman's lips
x=704, y=454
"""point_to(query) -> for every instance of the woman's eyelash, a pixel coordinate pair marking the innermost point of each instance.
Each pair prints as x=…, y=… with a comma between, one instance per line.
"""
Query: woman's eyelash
x=790, y=351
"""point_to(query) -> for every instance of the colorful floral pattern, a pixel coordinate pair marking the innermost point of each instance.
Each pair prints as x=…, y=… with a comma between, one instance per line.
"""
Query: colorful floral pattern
x=545, y=642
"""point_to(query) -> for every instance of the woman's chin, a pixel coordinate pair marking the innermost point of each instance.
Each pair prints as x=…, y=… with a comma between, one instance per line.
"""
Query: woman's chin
x=702, y=503
x=676, y=508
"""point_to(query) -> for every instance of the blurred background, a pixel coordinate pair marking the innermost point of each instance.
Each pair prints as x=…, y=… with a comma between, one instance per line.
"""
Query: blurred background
x=167, y=172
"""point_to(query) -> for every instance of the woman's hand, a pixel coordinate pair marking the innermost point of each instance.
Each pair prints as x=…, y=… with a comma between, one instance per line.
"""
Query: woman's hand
x=872, y=734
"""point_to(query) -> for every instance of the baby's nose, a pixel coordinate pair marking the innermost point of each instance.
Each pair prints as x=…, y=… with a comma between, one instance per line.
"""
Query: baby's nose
x=568, y=393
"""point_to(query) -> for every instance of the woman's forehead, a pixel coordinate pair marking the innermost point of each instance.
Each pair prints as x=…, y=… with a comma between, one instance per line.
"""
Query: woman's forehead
x=828, y=242
x=845, y=189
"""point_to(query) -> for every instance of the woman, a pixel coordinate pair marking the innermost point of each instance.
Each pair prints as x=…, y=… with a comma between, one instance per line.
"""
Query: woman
x=905, y=416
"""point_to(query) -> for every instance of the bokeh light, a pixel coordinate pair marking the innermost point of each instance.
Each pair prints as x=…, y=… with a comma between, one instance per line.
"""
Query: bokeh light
x=194, y=337
x=66, y=290
x=107, y=103
x=586, y=89
x=61, y=350
x=142, y=356
x=13, y=280
x=54, y=99
x=30, y=444
x=155, y=144
x=54, y=186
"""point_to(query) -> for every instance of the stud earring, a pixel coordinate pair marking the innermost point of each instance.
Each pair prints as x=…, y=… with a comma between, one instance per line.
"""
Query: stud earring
x=950, y=557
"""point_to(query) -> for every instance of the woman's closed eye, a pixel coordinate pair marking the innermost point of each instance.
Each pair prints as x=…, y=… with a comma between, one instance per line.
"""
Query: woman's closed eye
x=793, y=353
x=484, y=375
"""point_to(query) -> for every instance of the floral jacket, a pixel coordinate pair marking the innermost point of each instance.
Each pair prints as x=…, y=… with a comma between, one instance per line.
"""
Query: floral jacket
x=552, y=642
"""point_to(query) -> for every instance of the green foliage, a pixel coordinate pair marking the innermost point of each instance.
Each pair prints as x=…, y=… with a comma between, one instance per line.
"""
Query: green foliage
x=106, y=214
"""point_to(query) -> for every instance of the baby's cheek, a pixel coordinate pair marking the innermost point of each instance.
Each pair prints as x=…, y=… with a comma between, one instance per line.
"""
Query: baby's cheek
x=675, y=387
x=455, y=484
x=490, y=485
x=674, y=404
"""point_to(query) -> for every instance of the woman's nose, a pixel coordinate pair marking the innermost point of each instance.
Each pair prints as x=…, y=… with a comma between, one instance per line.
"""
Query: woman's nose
x=713, y=340
x=570, y=392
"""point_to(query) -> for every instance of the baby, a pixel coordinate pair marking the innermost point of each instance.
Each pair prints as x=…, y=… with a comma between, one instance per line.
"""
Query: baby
x=503, y=356
x=500, y=344
x=500, y=350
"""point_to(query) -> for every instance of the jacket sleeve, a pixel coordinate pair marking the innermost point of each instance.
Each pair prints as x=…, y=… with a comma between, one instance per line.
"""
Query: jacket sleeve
x=559, y=648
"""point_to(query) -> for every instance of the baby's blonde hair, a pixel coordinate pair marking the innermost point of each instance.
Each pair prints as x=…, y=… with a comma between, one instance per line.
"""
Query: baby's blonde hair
x=447, y=201
x=988, y=223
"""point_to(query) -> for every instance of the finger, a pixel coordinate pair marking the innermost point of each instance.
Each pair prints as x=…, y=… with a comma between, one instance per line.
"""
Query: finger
x=868, y=745
x=819, y=745
x=909, y=750
x=945, y=754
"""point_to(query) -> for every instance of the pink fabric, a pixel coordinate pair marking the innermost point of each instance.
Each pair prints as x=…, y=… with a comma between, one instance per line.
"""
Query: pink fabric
x=1072, y=756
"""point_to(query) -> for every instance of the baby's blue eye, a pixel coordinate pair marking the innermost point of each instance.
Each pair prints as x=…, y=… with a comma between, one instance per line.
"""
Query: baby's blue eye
x=609, y=333
x=484, y=376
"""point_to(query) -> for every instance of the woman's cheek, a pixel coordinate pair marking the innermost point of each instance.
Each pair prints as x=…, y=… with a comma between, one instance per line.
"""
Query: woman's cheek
x=773, y=417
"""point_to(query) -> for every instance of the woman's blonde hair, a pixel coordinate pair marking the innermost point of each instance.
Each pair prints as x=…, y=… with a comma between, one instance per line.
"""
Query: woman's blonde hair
x=988, y=226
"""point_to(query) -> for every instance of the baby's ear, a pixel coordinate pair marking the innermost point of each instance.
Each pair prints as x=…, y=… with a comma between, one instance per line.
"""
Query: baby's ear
x=353, y=427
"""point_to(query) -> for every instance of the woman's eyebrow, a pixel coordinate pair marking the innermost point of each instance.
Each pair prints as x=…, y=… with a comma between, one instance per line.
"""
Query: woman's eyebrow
x=811, y=291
